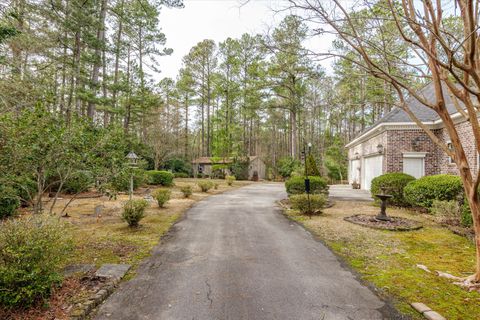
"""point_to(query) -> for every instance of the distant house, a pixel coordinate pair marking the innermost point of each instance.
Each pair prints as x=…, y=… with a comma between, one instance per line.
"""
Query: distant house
x=396, y=144
x=205, y=166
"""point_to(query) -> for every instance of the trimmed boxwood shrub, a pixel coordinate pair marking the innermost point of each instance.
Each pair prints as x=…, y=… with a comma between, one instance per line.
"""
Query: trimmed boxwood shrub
x=422, y=192
x=164, y=178
x=121, y=181
x=394, y=183
x=9, y=201
x=134, y=211
x=296, y=185
x=205, y=185
x=162, y=196
x=300, y=202
x=32, y=251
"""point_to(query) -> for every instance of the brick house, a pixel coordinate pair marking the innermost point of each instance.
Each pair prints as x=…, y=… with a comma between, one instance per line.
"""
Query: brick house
x=396, y=144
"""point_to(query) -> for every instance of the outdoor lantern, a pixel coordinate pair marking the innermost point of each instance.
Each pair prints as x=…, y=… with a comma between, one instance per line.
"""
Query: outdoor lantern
x=357, y=156
x=132, y=158
x=380, y=148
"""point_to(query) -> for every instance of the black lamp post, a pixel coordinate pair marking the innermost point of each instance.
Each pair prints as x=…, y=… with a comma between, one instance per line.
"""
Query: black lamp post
x=132, y=161
x=307, y=180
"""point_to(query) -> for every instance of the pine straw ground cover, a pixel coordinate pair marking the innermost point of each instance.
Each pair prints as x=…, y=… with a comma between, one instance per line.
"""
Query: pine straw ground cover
x=389, y=259
x=105, y=238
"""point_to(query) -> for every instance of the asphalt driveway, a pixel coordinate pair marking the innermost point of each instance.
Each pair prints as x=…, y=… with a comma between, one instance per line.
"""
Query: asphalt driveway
x=235, y=256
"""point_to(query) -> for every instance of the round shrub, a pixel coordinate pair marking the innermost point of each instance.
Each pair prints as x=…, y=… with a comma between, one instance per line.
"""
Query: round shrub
x=187, y=191
x=422, y=192
x=230, y=180
x=394, y=183
x=163, y=178
x=181, y=175
x=32, y=251
x=121, y=181
x=162, y=196
x=296, y=185
x=205, y=185
x=134, y=211
x=300, y=202
x=9, y=201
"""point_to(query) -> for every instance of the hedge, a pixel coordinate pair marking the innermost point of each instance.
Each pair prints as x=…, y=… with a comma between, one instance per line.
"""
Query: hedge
x=394, y=183
x=422, y=192
x=121, y=181
x=296, y=185
x=164, y=178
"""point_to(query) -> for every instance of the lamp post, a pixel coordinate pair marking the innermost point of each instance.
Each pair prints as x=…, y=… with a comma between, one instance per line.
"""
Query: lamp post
x=132, y=161
x=307, y=180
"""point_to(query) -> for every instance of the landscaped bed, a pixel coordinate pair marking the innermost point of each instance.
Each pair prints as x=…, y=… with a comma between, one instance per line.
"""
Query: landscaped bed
x=100, y=236
x=389, y=259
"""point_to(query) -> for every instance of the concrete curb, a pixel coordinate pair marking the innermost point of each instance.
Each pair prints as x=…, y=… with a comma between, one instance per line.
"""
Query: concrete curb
x=427, y=312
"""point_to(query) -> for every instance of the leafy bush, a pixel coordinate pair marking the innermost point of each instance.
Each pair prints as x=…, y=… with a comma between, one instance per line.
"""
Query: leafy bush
x=177, y=165
x=296, y=185
x=312, y=169
x=187, y=191
x=298, y=172
x=239, y=168
x=25, y=188
x=287, y=165
x=205, y=185
x=181, y=175
x=394, y=183
x=466, y=218
x=78, y=182
x=422, y=192
x=9, y=201
x=300, y=202
x=134, y=211
x=230, y=180
x=121, y=181
x=32, y=250
x=163, y=178
x=162, y=196
x=447, y=212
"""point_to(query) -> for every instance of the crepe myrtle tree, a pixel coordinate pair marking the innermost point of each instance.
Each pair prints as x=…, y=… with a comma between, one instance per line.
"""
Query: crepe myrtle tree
x=406, y=42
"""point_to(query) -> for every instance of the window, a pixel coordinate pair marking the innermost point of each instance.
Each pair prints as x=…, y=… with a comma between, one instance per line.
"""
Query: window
x=450, y=147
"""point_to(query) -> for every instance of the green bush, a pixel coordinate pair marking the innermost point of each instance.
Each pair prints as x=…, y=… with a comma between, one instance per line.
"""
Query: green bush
x=134, y=211
x=230, y=180
x=32, y=251
x=181, y=175
x=187, y=191
x=162, y=196
x=422, y=192
x=296, y=185
x=447, y=212
x=205, y=185
x=394, y=183
x=239, y=168
x=25, y=188
x=300, y=202
x=78, y=182
x=312, y=169
x=287, y=165
x=9, y=201
x=121, y=181
x=163, y=178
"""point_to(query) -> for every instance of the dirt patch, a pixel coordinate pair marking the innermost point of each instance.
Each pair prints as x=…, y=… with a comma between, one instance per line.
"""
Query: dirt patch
x=395, y=223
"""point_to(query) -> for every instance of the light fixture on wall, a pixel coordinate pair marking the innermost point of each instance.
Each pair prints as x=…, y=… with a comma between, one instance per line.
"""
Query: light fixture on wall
x=356, y=156
x=380, y=148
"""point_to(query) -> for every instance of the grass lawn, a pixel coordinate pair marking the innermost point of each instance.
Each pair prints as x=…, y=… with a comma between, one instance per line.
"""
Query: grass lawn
x=107, y=239
x=388, y=259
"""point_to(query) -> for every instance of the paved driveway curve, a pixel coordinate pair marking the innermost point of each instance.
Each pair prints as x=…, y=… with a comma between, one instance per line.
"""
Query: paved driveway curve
x=235, y=256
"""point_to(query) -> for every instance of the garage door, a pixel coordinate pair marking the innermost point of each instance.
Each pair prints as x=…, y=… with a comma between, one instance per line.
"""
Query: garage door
x=372, y=168
x=355, y=171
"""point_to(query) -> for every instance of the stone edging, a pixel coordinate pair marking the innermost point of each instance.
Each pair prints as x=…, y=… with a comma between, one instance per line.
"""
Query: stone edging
x=84, y=308
x=427, y=312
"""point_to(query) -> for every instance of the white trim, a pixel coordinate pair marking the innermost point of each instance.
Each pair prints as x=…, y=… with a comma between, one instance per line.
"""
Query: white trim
x=414, y=154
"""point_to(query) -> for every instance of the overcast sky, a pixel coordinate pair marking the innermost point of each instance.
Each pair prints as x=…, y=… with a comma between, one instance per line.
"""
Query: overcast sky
x=216, y=20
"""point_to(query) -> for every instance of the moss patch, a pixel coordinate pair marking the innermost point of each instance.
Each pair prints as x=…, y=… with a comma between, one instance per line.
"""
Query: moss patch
x=388, y=259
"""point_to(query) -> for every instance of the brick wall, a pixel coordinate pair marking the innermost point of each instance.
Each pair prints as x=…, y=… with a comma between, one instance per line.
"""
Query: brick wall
x=400, y=141
x=468, y=142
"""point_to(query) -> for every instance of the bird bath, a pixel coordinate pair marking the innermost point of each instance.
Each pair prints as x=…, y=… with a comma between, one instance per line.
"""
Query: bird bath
x=382, y=216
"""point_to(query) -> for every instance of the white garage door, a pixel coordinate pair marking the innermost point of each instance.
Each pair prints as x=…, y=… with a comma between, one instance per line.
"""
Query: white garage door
x=355, y=171
x=372, y=168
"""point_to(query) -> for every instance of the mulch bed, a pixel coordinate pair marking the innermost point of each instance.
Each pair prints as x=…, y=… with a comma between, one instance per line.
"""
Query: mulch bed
x=396, y=224
x=61, y=302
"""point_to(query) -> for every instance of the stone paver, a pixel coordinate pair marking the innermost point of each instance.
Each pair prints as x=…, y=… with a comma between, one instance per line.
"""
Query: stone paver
x=116, y=271
x=78, y=268
x=432, y=315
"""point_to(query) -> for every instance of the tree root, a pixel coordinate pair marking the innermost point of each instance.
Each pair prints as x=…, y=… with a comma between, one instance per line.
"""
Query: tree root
x=469, y=283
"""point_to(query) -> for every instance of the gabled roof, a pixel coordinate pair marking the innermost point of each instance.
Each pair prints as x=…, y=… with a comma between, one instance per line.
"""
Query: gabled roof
x=423, y=113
